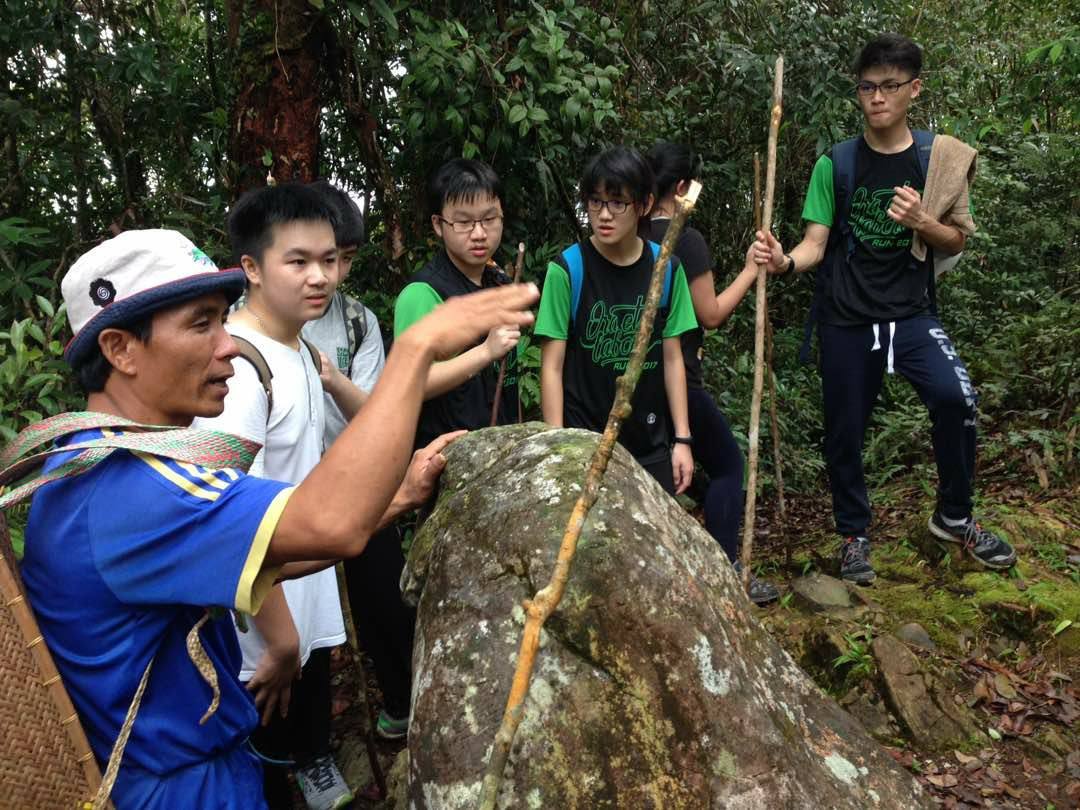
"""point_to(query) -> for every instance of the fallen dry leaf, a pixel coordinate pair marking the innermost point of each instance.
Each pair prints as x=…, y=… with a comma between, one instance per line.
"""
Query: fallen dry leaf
x=943, y=780
x=970, y=763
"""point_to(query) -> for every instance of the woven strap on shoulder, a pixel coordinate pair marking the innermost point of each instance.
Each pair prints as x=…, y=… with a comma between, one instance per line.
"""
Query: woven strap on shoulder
x=208, y=448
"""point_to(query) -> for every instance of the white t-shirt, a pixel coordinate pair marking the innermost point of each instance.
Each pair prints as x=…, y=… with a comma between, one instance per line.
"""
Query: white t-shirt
x=330, y=334
x=292, y=442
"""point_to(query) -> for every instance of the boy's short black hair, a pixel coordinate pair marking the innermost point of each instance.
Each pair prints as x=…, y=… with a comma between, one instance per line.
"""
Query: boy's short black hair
x=93, y=370
x=616, y=169
x=672, y=163
x=349, y=230
x=462, y=180
x=890, y=50
x=251, y=221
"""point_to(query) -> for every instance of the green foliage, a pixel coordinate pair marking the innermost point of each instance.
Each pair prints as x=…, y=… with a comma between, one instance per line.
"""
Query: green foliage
x=34, y=380
x=127, y=118
x=857, y=658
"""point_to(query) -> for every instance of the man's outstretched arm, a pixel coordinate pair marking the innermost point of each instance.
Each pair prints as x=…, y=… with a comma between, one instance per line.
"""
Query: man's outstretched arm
x=342, y=501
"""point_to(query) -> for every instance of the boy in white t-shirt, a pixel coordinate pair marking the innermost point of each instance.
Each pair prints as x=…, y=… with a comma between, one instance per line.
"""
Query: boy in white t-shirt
x=351, y=342
x=283, y=237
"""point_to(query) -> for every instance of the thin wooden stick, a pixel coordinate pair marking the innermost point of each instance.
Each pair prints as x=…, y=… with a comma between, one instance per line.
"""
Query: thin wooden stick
x=778, y=463
x=502, y=365
x=361, y=677
x=759, y=331
x=547, y=598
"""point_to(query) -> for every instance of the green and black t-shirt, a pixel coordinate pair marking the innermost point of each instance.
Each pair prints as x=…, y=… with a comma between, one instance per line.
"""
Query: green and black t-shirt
x=599, y=338
x=879, y=282
x=469, y=405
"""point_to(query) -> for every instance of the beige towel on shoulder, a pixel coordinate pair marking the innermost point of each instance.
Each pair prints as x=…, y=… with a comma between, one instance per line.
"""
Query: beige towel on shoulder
x=945, y=196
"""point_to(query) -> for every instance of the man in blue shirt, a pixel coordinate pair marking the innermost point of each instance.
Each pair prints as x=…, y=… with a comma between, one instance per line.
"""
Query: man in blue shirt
x=122, y=560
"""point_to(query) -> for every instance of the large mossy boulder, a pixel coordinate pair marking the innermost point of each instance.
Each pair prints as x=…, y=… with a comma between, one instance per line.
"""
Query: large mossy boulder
x=655, y=685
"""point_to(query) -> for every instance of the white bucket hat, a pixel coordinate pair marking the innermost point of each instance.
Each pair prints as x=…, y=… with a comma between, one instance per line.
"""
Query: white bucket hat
x=133, y=275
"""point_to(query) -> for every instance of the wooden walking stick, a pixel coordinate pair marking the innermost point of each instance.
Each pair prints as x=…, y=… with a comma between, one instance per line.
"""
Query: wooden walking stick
x=778, y=463
x=547, y=598
x=361, y=677
x=502, y=365
x=759, y=331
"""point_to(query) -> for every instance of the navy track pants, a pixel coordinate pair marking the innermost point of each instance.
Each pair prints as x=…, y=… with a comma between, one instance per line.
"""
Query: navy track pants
x=854, y=360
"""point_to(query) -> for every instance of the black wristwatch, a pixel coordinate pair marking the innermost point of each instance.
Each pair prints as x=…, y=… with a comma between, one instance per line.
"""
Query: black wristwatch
x=791, y=265
x=684, y=440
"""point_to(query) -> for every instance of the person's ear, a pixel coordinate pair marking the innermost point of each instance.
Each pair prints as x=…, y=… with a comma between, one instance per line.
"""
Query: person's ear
x=646, y=207
x=436, y=225
x=118, y=346
x=681, y=188
x=916, y=87
x=251, y=269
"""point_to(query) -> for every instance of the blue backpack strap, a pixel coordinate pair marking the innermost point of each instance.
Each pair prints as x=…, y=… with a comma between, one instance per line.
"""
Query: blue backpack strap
x=924, y=144
x=665, y=296
x=574, y=266
x=572, y=257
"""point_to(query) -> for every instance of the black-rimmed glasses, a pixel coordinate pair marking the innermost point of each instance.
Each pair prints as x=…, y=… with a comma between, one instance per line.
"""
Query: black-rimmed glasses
x=889, y=88
x=467, y=225
x=614, y=207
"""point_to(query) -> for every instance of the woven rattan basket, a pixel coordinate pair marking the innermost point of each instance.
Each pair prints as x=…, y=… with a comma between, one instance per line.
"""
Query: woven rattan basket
x=45, y=759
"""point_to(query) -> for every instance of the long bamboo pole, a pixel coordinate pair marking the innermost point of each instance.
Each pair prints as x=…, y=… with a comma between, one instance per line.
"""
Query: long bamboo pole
x=518, y=264
x=759, y=330
x=547, y=598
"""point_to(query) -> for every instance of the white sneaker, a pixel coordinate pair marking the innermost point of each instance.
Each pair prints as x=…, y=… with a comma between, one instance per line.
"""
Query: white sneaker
x=322, y=784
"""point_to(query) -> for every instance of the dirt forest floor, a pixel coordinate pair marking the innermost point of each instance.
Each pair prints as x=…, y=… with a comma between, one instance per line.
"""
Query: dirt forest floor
x=969, y=677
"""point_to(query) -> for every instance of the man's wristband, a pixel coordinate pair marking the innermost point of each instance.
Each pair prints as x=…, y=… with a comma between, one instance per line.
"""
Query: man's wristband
x=791, y=265
x=684, y=440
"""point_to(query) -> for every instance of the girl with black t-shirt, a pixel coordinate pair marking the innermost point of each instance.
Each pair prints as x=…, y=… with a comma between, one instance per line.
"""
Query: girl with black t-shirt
x=714, y=445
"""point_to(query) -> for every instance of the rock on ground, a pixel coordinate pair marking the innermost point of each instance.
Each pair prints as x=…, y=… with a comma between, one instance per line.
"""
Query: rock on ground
x=655, y=686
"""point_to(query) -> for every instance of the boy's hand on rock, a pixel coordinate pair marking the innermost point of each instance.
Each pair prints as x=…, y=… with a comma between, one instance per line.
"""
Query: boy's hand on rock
x=501, y=340
x=460, y=321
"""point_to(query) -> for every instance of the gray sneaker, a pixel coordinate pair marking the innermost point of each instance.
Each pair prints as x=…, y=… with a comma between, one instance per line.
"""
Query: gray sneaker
x=982, y=544
x=855, y=561
x=761, y=592
x=323, y=785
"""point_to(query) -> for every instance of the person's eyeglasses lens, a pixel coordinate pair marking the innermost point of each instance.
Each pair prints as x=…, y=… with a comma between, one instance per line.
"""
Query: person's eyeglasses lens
x=466, y=226
x=869, y=88
x=614, y=207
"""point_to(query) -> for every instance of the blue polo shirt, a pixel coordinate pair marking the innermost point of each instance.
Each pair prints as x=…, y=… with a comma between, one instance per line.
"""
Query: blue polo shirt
x=120, y=563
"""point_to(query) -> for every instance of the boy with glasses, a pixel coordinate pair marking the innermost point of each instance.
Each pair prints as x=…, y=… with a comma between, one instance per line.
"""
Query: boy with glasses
x=464, y=198
x=879, y=207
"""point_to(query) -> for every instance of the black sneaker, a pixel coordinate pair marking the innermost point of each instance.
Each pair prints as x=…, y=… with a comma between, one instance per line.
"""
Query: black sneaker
x=761, y=592
x=982, y=544
x=855, y=561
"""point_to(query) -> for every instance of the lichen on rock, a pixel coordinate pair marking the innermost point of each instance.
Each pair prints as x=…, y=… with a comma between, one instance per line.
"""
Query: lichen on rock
x=656, y=685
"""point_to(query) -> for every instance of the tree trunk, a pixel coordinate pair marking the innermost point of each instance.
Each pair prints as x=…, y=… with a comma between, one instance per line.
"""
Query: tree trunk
x=276, y=112
x=655, y=685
